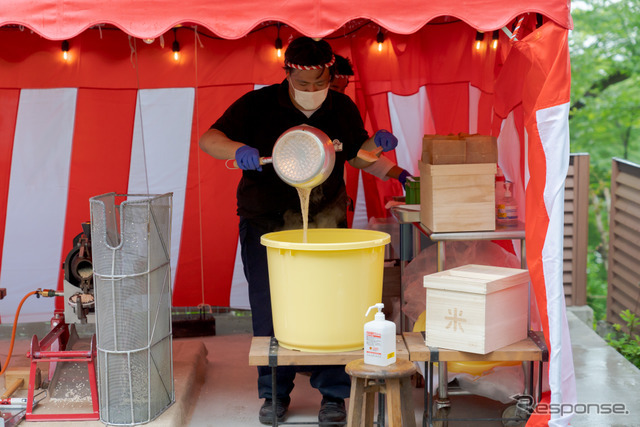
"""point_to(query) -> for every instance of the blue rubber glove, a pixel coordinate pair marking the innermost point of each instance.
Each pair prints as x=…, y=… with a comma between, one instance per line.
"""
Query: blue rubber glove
x=248, y=158
x=386, y=140
x=403, y=177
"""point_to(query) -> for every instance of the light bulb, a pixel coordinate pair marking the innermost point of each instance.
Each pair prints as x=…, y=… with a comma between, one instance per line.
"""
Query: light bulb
x=380, y=39
x=176, y=50
x=479, y=38
x=175, y=47
x=65, y=50
x=494, y=40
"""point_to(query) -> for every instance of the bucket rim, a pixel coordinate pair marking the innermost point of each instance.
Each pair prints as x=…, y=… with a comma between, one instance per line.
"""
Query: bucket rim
x=377, y=238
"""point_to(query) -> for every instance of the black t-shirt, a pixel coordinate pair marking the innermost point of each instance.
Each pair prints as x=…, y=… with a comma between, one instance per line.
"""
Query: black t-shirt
x=258, y=118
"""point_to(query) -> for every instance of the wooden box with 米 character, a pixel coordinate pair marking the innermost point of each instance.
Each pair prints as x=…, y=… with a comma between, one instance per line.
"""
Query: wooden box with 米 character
x=476, y=308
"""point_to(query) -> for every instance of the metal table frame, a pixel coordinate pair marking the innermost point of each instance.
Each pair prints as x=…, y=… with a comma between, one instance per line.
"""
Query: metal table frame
x=411, y=231
x=515, y=232
x=532, y=349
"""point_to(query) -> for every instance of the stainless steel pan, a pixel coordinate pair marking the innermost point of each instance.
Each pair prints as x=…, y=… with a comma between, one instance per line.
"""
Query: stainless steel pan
x=303, y=156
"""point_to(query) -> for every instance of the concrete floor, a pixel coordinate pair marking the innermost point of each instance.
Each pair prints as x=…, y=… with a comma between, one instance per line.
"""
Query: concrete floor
x=603, y=378
x=227, y=394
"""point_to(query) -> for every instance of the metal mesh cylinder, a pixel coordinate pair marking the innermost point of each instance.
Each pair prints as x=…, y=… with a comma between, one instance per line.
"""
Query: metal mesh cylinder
x=132, y=287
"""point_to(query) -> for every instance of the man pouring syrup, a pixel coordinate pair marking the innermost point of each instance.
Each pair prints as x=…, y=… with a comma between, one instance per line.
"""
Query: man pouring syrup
x=248, y=130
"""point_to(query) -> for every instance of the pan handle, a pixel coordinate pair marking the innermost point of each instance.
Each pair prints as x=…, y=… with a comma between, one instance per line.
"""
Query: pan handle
x=263, y=161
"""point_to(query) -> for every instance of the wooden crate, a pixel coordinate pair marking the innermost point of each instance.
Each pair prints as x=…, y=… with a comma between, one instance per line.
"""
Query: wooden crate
x=476, y=308
x=443, y=151
x=481, y=149
x=457, y=197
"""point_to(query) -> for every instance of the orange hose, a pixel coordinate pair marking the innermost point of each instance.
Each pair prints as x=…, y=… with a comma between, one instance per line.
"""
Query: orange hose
x=13, y=332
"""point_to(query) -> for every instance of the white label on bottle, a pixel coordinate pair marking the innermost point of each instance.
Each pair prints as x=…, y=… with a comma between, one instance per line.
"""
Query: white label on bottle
x=507, y=212
x=502, y=211
x=373, y=343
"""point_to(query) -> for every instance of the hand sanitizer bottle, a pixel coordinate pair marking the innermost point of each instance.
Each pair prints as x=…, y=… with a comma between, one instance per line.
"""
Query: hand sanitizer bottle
x=507, y=207
x=379, y=339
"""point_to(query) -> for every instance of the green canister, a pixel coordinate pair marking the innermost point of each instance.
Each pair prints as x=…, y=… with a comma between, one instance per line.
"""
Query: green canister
x=412, y=189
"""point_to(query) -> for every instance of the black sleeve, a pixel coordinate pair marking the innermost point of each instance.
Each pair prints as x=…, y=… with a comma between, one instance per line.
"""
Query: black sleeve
x=233, y=122
x=358, y=134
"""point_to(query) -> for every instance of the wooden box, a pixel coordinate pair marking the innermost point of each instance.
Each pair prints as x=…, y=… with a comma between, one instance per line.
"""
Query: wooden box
x=444, y=151
x=476, y=308
x=457, y=197
x=481, y=149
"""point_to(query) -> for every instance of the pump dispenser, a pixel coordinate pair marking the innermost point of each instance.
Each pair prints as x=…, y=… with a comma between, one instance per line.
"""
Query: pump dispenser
x=379, y=339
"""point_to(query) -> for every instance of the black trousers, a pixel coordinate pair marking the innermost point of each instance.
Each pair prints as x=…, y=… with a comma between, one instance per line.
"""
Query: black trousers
x=331, y=381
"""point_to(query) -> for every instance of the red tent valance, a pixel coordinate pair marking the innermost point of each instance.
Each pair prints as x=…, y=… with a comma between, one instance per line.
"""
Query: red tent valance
x=64, y=19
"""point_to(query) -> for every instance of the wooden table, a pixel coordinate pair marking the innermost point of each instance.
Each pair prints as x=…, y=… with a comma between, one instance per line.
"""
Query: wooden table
x=531, y=349
x=265, y=351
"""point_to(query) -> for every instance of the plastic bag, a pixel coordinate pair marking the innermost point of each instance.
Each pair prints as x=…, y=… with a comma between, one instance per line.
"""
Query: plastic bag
x=457, y=253
x=500, y=383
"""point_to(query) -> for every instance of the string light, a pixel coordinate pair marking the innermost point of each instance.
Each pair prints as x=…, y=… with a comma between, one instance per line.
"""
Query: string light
x=380, y=39
x=176, y=46
x=65, y=49
x=279, y=43
x=494, y=39
x=479, y=39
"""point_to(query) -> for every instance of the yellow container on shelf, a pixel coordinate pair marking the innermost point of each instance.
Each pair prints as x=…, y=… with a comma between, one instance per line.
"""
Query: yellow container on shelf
x=321, y=290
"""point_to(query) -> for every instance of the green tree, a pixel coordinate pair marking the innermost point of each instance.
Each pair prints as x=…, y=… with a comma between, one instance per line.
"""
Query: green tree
x=605, y=111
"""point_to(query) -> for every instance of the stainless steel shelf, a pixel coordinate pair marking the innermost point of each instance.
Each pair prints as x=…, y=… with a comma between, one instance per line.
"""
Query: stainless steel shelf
x=503, y=232
x=406, y=214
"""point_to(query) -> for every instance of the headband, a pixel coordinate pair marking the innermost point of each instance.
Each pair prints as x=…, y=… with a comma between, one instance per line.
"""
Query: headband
x=311, y=67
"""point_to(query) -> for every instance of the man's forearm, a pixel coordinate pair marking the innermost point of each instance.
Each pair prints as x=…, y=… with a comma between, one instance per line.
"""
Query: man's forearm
x=218, y=145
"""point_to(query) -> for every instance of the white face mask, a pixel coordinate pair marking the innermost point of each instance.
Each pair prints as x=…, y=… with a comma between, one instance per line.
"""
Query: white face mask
x=310, y=100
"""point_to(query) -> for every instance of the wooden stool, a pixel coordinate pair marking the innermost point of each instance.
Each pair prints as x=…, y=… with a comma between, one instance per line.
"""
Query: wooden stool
x=393, y=380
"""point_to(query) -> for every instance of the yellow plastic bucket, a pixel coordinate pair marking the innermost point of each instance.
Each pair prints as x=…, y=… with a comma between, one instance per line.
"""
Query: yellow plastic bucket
x=321, y=290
